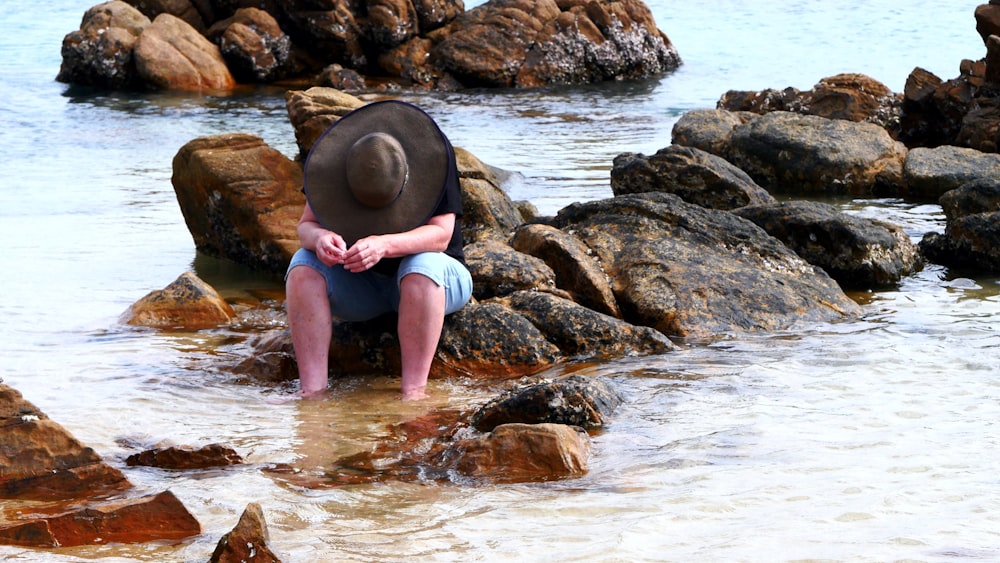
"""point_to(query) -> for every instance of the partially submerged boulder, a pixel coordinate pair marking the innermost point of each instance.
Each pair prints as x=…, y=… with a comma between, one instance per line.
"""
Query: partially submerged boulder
x=972, y=234
x=100, y=53
x=188, y=303
x=690, y=271
x=247, y=541
x=859, y=253
x=172, y=55
x=554, y=451
x=587, y=402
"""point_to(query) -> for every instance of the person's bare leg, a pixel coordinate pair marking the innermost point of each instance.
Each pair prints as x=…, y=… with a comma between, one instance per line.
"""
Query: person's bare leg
x=421, y=317
x=311, y=324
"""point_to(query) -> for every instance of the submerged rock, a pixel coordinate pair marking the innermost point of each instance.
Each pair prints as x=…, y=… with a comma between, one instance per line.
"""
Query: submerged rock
x=188, y=303
x=172, y=457
x=576, y=400
x=247, y=541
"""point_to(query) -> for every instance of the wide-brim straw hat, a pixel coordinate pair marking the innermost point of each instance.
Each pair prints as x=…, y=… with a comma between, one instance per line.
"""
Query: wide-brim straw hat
x=379, y=169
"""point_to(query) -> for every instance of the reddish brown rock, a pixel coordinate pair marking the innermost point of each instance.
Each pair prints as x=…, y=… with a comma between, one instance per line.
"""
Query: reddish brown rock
x=253, y=45
x=172, y=55
x=247, y=541
x=100, y=53
x=240, y=198
x=516, y=453
x=212, y=455
x=186, y=304
x=150, y=518
x=40, y=460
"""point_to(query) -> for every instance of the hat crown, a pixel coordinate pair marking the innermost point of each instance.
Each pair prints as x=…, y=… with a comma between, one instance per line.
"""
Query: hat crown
x=376, y=170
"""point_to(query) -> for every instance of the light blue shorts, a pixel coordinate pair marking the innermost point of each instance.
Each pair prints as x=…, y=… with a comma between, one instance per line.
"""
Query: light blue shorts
x=366, y=295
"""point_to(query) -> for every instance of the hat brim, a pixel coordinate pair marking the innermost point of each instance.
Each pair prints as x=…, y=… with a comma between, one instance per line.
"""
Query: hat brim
x=325, y=171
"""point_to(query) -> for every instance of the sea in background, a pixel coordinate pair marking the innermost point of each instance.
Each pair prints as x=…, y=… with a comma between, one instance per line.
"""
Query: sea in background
x=869, y=440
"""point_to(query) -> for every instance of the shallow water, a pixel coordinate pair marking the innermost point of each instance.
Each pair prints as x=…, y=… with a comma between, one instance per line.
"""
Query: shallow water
x=869, y=440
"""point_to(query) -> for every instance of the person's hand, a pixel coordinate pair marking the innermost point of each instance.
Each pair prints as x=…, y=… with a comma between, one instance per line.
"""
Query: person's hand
x=365, y=254
x=330, y=248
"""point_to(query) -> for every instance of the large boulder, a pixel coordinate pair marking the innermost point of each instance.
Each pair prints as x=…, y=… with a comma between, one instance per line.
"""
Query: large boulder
x=930, y=173
x=521, y=43
x=515, y=453
x=859, y=253
x=789, y=152
x=689, y=172
x=101, y=52
x=690, y=271
x=172, y=55
x=240, y=198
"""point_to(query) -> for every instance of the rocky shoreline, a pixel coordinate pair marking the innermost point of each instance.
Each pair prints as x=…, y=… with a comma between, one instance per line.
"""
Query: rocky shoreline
x=694, y=244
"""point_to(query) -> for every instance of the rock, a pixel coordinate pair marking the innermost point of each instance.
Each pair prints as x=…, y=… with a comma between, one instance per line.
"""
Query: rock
x=519, y=43
x=972, y=236
x=135, y=520
x=253, y=46
x=517, y=453
x=691, y=173
x=584, y=334
x=576, y=270
x=978, y=196
x=848, y=96
x=859, y=253
x=587, y=402
x=390, y=23
x=932, y=172
x=101, y=52
x=498, y=269
x=690, y=271
x=247, y=541
x=491, y=340
x=980, y=126
x=172, y=55
x=970, y=242
x=487, y=211
x=183, y=9
x=41, y=460
x=188, y=303
x=313, y=111
x=212, y=455
x=240, y=198
x=708, y=129
x=795, y=153
x=987, y=20
x=933, y=110
x=329, y=31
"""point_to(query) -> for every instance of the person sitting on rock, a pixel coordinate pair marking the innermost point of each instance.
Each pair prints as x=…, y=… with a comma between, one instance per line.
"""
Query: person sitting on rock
x=380, y=233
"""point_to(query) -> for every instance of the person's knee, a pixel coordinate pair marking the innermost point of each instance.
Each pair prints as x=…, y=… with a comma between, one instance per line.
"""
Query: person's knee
x=304, y=279
x=417, y=282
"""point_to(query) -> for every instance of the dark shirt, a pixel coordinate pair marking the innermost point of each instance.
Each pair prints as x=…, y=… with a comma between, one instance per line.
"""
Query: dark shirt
x=451, y=202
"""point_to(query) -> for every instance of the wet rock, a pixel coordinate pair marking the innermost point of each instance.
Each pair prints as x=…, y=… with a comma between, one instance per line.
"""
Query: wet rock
x=576, y=270
x=794, y=153
x=212, y=455
x=188, y=303
x=690, y=271
x=691, y=173
x=587, y=402
x=135, y=520
x=247, y=541
x=972, y=235
x=980, y=128
x=517, y=453
x=240, y=198
x=253, y=46
x=41, y=460
x=491, y=340
x=172, y=55
x=518, y=43
x=934, y=110
x=971, y=242
x=859, y=253
x=582, y=333
x=101, y=52
x=498, y=269
x=930, y=173
x=487, y=211
x=978, y=196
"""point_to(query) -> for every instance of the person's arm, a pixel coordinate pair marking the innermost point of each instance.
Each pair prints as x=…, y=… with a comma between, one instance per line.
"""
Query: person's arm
x=329, y=247
x=433, y=236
